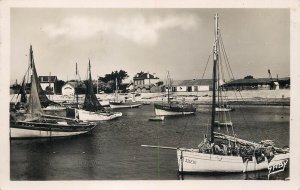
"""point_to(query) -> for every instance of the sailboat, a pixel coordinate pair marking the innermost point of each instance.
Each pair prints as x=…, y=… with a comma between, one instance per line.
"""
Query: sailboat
x=46, y=103
x=225, y=152
x=116, y=103
x=20, y=105
x=92, y=109
x=34, y=123
x=173, y=108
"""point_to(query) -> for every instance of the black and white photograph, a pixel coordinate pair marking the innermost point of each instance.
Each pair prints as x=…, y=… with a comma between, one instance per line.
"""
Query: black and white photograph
x=139, y=94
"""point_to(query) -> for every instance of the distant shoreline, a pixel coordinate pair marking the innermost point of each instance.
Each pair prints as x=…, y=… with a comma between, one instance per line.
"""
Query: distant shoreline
x=245, y=97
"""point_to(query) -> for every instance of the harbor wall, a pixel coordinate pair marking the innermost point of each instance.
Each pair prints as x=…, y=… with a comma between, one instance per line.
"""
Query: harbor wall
x=247, y=96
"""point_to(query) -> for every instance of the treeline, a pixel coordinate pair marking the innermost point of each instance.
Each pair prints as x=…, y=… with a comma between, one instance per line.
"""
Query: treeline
x=109, y=81
x=106, y=84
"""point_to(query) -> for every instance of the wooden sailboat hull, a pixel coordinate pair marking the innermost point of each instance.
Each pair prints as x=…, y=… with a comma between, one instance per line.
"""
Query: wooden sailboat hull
x=169, y=110
x=95, y=116
x=115, y=105
x=54, y=108
x=223, y=109
x=157, y=118
x=40, y=130
x=191, y=161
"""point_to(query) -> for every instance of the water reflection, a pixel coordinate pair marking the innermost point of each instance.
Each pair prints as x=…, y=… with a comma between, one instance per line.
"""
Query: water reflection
x=114, y=152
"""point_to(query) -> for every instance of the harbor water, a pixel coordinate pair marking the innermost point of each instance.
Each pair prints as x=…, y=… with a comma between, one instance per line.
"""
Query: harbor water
x=113, y=151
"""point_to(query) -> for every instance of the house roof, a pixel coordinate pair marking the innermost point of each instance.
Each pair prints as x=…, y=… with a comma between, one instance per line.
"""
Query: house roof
x=284, y=79
x=250, y=81
x=142, y=75
x=201, y=82
x=255, y=81
x=194, y=82
x=74, y=84
x=43, y=79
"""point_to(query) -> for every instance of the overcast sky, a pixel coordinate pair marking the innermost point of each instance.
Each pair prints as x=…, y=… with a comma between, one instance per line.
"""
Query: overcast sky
x=150, y=40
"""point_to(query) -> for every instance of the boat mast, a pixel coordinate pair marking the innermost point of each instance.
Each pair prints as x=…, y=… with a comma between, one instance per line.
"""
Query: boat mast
x=31, y=66
x=116, y=92
x=90, y=75
x=168, y=81
x=76, y=86
x=49, y=83
x=214, y=79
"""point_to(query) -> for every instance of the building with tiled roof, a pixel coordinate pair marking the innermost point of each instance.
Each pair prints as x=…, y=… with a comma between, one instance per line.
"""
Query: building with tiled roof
x=143, y=82
x=257, y=84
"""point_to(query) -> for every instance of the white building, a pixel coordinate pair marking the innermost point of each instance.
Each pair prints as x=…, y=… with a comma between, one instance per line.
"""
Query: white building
x=195, y=85
x=68, y=89
x=145, y=79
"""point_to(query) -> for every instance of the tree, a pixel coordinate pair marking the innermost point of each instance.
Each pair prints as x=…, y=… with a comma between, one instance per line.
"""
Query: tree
x=249, y=77
x=59, y=85
x=109, y=80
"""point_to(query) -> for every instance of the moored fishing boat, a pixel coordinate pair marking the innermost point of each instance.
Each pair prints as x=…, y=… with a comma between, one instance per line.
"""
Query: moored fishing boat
x=49, y=128
x=173, y=108
x=157, y=118
x=34, y=123
x=54, y=107
x=224, y=152
x=223, y=108
x=121, y=104
x=92, y=109
x=116, y=103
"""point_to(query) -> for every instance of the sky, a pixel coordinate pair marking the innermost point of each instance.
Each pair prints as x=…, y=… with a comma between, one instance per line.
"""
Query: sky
x=150, y=40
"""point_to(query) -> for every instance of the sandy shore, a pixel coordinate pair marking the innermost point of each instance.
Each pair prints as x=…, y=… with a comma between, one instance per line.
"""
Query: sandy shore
x=247, y=97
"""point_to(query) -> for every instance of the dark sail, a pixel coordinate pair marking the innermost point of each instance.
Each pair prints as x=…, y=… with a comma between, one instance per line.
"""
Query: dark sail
x=42, y=95
x=23, y=92
x=91, y=102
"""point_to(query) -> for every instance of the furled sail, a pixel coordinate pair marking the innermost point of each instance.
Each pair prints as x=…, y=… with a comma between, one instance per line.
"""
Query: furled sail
x=23, y=92
x=91, y=102
x=43, y=98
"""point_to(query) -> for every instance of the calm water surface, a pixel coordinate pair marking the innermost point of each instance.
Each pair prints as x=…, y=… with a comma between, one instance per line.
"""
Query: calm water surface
x=114, y=152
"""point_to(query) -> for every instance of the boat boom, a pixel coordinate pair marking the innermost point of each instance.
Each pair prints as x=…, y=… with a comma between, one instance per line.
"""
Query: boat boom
x=162, y=147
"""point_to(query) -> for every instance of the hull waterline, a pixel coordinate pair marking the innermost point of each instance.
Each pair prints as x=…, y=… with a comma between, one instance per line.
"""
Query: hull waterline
x=169, y=110
x=191, y=161
x=42, y=130
x=96, y=116
x=114, y=105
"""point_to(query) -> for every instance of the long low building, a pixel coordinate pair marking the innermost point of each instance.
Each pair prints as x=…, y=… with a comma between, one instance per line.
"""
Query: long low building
x=198, y=85
x=195, y=85
x=258, y=84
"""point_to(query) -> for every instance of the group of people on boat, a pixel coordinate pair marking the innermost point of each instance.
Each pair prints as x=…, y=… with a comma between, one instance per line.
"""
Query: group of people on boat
x=218, y=148
x=266, y=149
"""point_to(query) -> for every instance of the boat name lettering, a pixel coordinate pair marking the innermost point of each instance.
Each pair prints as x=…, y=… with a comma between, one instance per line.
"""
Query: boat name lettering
x=278, y=167
x=190, y=161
